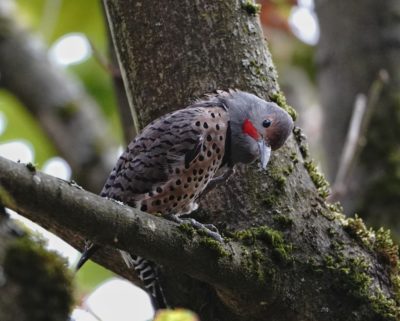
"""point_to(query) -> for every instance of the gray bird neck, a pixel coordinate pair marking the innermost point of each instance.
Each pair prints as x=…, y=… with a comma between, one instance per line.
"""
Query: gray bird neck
x=243, y=148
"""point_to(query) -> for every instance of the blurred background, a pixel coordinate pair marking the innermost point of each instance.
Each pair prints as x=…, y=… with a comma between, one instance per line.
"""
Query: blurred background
x=60, y=91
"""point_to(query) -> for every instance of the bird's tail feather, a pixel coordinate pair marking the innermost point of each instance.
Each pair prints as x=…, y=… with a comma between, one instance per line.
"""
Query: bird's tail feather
x=148, y=274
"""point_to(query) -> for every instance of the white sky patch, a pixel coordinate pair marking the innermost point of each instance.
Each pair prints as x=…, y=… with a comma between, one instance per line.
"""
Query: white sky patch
x=18, y=150
x=82, y=315
x=306, y=3
x=120, y=150
x=72, y=48
x=57, y=167
x=53, y=242
x=3, y=122
x=304, y=24
x=120, y=300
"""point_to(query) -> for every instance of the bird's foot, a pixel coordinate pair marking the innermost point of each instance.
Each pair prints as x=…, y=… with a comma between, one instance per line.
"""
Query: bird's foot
x=208, y=229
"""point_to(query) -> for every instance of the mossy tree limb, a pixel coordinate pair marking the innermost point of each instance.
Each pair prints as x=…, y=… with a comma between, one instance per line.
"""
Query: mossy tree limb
x=59, y=204
x=259, y=269
x=35, y=284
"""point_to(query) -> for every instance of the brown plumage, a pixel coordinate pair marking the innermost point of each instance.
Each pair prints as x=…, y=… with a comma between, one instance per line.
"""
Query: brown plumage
x=169, y=164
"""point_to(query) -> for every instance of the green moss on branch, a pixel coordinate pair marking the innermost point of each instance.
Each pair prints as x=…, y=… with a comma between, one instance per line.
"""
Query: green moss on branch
x=280, y=99
x=47, y=284
x=273, y=238
x=251, y=8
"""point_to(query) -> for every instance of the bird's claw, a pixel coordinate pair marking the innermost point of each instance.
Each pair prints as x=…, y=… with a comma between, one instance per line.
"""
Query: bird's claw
x=211, y=227
x=208, y=229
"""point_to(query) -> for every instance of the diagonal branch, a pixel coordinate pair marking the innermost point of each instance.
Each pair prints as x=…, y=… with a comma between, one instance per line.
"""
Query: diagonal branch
x=50, y=201
x=241, y=270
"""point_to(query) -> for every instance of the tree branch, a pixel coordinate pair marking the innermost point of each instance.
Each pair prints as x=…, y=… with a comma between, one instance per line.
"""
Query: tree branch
x=50, y=201
x=29, y=276
x=356, y=138
x=247, y=269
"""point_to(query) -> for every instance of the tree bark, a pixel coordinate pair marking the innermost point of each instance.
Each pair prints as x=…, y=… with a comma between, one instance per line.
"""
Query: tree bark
x=358, y=39
x=287, y=254
x=171, y=54
x=67, y=114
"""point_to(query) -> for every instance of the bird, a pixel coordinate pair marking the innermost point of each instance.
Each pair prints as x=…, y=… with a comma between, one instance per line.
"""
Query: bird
x=180, y=156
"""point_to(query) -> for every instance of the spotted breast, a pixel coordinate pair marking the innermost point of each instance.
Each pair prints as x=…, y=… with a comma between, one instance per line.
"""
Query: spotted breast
x=169, y=164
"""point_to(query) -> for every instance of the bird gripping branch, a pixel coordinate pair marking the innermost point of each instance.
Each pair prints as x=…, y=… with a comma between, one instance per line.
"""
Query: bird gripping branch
x=175, y=159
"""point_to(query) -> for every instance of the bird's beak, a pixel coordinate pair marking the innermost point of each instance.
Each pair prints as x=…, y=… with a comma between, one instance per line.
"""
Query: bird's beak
x=265, y=153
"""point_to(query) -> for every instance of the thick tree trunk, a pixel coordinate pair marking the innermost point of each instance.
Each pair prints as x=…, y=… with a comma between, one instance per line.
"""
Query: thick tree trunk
x=173, y=53
x=358, y=39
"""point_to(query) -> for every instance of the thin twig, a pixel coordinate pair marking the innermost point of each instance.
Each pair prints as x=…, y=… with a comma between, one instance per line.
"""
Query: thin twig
x=104, y=62
x=356, y=137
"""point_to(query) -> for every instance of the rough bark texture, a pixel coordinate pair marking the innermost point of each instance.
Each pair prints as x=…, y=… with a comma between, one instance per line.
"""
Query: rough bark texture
x=67, y=114
x=171, y=54
x=359, y=38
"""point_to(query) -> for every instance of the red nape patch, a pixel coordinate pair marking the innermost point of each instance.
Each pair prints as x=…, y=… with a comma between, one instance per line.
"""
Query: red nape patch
x=249, y=129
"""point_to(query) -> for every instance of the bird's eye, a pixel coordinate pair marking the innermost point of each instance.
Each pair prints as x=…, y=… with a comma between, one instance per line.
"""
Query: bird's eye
x=266, y=123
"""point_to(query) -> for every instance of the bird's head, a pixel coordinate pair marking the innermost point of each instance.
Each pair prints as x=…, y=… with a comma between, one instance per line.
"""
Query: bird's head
x=257, y=127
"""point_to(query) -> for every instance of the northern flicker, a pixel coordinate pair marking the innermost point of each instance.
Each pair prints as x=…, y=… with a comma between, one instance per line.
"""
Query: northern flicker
x=167, y=167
